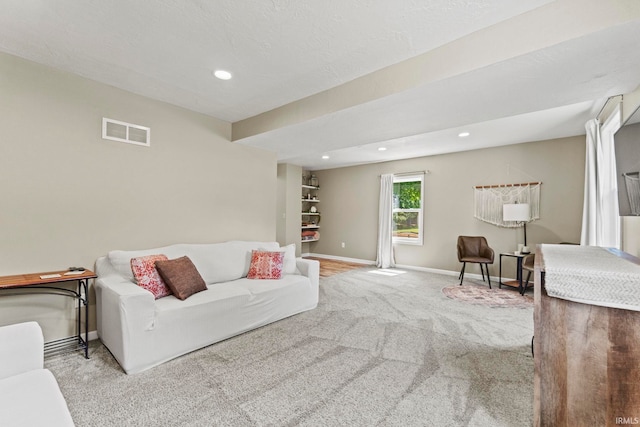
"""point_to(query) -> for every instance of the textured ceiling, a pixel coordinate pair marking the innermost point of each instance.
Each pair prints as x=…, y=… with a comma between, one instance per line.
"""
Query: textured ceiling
x=285, y=53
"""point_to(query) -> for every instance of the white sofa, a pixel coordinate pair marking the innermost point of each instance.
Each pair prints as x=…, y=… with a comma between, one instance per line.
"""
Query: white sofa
x=142, y=332
x=29, y=394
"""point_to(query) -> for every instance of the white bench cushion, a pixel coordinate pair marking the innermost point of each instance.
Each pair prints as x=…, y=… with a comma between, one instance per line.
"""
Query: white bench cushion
x=33, y=399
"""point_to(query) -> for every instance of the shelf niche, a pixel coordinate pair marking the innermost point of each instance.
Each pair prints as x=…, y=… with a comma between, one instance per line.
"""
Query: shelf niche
x=310, y=221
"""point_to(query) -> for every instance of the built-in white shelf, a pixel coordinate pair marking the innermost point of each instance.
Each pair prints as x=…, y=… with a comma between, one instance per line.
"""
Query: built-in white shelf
x=310, y=202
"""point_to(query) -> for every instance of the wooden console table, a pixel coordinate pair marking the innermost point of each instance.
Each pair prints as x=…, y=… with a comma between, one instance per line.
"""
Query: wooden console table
x=587, y=359
x=50, y=283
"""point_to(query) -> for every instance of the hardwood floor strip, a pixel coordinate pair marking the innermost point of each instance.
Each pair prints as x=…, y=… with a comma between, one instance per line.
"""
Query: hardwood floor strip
x=330, y=267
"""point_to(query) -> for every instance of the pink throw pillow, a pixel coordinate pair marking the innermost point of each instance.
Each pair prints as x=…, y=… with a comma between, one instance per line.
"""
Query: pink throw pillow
x=147, y=277
x=266, y=265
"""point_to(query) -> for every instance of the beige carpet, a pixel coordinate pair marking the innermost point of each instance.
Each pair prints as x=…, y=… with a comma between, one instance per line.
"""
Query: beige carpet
x=379, y=350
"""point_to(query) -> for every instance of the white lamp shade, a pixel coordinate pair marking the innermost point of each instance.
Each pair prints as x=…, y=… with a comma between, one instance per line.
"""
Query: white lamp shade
x=516, y=212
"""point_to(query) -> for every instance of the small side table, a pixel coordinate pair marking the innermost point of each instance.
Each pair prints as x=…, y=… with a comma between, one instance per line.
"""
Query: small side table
x=513, y=283
x=49, y=283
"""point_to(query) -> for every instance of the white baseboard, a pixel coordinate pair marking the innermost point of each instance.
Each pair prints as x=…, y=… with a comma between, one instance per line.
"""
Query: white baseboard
x=404, y=266
x=93, y=335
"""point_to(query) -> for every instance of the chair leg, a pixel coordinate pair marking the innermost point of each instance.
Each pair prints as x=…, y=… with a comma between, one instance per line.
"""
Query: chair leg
x=462, y=272
x=482, y=271
x=526, y=283
x=488, y=277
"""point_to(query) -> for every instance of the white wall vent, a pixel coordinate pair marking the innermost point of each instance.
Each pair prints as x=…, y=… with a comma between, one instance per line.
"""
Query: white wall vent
x=125, y=132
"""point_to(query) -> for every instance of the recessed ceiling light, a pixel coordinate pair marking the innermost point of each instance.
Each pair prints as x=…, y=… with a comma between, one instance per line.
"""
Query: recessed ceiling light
x=463, y=134
x=382, y=148
x=325, y=157
x=222, y=74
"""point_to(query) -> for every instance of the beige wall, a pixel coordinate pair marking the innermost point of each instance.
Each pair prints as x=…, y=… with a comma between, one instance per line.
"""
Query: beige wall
x=68, y=196
x=350, y=201
x=288, y=206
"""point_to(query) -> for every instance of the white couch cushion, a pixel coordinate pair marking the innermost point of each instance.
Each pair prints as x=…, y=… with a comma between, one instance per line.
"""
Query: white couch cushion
x=121, y=260
x=262, y=286
x=289, y=259
x=223, y=262
x=216, y=262
x=20, y=348
x=223, y=292
x=33, y=399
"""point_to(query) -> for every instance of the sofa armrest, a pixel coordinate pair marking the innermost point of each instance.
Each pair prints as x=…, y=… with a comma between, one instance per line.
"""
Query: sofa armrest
x=21, y=349
x=123, y=310
x=309, y=268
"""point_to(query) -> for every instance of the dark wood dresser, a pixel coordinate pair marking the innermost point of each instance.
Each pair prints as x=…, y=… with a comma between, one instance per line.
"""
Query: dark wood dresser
x=587, y=359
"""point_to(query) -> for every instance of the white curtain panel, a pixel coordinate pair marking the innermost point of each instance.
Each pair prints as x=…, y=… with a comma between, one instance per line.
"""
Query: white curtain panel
x=589, y=235
x=385, y=258
x=601, y=214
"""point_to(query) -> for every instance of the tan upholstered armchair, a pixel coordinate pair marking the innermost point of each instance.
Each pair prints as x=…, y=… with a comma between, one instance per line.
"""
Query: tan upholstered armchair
x=475, y=249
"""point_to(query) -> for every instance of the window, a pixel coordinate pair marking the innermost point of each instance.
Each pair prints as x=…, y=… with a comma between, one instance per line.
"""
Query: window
x=408, y=191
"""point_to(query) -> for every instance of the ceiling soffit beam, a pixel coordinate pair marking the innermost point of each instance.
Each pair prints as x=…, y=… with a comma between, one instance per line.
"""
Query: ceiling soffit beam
x=546, y=26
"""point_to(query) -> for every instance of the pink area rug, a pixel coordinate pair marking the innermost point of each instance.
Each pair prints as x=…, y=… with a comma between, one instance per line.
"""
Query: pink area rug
x=482, y=295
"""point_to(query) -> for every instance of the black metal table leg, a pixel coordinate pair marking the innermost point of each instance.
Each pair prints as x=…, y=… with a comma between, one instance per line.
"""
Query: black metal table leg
x=519, y=275
x=83, y=289
x=500, y=276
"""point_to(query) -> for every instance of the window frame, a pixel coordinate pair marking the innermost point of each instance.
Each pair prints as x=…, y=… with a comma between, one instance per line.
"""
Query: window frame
x=419, y=241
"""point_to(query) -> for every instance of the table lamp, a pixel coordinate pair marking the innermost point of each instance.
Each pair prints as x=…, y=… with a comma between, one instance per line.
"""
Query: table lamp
x=517, y=212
